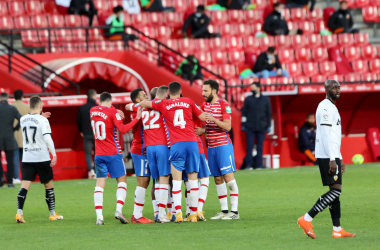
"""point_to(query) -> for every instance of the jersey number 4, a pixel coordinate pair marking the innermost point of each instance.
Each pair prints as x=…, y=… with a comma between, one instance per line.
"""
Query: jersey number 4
x=146, y=114
x=99, y=129
x=179, y=119
x=26, y=134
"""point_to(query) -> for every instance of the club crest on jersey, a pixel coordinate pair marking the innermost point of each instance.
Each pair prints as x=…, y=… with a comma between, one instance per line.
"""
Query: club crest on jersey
x=335, y=177
x=325, y=117
x=228, y=110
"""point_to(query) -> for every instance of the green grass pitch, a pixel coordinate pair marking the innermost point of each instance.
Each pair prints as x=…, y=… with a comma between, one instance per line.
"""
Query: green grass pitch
x=270, y=201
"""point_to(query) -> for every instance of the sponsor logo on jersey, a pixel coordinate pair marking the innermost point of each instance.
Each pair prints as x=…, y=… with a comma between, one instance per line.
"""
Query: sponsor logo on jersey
x=118, y=117
x=325, y=117
x=228, y=110
x=157, y=101
x=138, y=104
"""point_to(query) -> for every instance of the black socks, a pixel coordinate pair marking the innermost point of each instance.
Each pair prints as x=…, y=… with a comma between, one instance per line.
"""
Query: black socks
x=325, y=200
x=21, y=197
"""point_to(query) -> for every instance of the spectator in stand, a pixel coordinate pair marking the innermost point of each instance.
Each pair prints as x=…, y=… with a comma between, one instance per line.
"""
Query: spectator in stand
x=234, y=4
x=116, y=24
x=306, y=138
x=256, y=119
x=341, y=21
x=23, y=109
x=132, y=6
x=155, y=6
x=83, y=7
x=189, y=69
x=268, y=65
x=84, y=126
x=275, y=23
x=8, y=142
x=198, y=22
x=300, y=4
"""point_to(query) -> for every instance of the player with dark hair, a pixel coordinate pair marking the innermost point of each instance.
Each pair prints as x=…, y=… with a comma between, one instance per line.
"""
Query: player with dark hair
x=221, y=157
x=153, y=92
x=178, y=115
x=108, y=156
x=331, y=165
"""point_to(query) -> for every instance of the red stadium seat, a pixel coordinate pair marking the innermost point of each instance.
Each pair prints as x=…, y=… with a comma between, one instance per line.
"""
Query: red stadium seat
x=227, y=71
x=39, y=21
x=256, y=27
x=171, y=43
x=73, y=21
x=285, y=80
x=79, y=35
x=287, y=14
x=369, y=77
x=6, y=22
x=22, y=22
x=186, y=45
x=362, y=3
x=320, y=25
x=167, y=3
x=114, y=3
x=155, y=19
x=218, y=44
x=236, y=57
x=213, y=29
x=44, y=36
x=351, y=4
x=29, y=38
x=294, y=69
x=50, y=8
x=180, y=5
x=95, y=35
x=310, y=69
x=266, y=42
x=306, y=27
x=219, y=57
x=234, y=43
x=260, y=4
x=361, y=39
x=119, y=46
x=360, y=66
x=140, y=19
x=251, y=57
x=63, y=35
x=315, y=15
x=352, y=53
x=339, y=78
x=299, y=41
x=375, y=2
x=318, y=78
x=69, y=48
x=292, y=25
x=104, y=46
x=345, y=40
x=202, y=44
x=320, y=54
x=253, y=16
x=314, y=40
x=194, y=3
x=218, y=17
x=163, y=32
x=3, y=9
x=95, y=21
x=370, y=14
x=303, y=55
x=369, y=52
x=286, y=55
x=327, y=68
x=213, y=69
x=329, y=41
x=228, y=30
x=33, y=7
x=203, y=57
x=282, y=41
x=352, y=78
x=374, y=65
x=301, y=79
x=251, y=43
x=56, y=21
x=16, y=8
x=172, y=19
x=243, y=29
x=102, y=6
x=298, y=14
x=235, y=16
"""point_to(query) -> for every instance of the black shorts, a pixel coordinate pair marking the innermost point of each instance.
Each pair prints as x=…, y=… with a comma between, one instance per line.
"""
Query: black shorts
x=324, y=167
x=29, y=170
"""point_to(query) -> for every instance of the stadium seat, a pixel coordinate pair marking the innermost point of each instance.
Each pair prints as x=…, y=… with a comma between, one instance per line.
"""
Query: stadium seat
x=315, y=15
x=228, y=30
x=329, y=41
x=362, y=3
x=260, y=4
x=286, y=55
x=352, y=53
x=251, y=43
x=318, y=78
x=95, y=21
x=352, y=78
x=218, y=44
x=22, y=22
x=73, y=21
x=301, y=79
x=236, y=57
x=294, y=69
x=95, y=35
x=114, y=3
x=155, y=19
x=16, y=8
x=374, y=65
x=361, y=39
x=29, y=38
x=213, y=29
x=218, y=17
x=234, y=43
x=369, y=52
x=285, y=80
x=219, y=57
x=282, y=41
x=314, y=41
x=171, y=43
x=79, y=35
x=286, y=14
x=299, y=41
x=33, y=7
x=3, y=9
x=172, y=19
x=227, y=71
x=141, y=19
x=253, y=16
x=235, y=16
x=104, y=46
x=50, y=8
x=368, y=77
x=43, y=36
x=307, y=27
x=203, y=57
x=56, y=20
x=163, y=32
x=251, y=57
x=320, y=54
x=6, y=22
x=64, y=35
x=327, y=68
x=39, y=21
x=194, y=3
x=256, y=27
x=339, y=78
x=375, y=2
x=148, y=31
x=266, y=42
x=310, y=69
x=298, y=14
x=303, y=55
x=202, y=44
x=102, y=6
x=319, y=25
x=360, y=66
x=370, y=14
x=69, y=48
x=180, y=5
x=213, y=69
x=345, y=40
x=292, y=25
x=118, y=45
x=243, y=29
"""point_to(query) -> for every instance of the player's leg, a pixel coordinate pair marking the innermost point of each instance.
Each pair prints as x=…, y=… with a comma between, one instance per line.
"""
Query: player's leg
x=187, y=194
x=154, y=200
x=21, y=197
x=162, y=160
x=153, y=167
x=101, y=177
x=203, y=175
x=163, y=199
x=192, y=169
x=170, y=205
x=121, y=194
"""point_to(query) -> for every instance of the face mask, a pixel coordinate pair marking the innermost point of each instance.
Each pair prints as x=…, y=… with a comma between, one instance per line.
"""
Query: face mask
x=254, y=92
x=198, y=15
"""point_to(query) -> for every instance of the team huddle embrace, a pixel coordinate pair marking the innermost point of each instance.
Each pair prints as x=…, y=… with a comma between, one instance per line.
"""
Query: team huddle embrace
x=167, y=147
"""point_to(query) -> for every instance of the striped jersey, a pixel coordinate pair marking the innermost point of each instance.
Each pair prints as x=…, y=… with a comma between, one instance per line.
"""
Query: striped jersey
x=221, y=110
x=198, y=123
x=138, y=143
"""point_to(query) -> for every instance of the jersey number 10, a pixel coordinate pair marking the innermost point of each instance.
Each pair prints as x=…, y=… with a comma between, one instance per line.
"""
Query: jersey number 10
x=99, y=129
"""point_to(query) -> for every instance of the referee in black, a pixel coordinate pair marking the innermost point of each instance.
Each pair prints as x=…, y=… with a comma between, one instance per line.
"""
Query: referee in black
x=330, y=161
x=8, y=143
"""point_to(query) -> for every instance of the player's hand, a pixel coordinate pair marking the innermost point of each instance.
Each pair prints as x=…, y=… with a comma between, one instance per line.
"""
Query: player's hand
x=199, y=131
x=46, y=114
x=333, y=168
x=128, y=107
x=138, y=116
x=209, y=117
x=53, y=161
x=81, y=134
x=343, y=166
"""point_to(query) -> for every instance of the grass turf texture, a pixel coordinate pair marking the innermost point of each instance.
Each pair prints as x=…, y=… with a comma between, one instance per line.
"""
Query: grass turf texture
x=270, y=201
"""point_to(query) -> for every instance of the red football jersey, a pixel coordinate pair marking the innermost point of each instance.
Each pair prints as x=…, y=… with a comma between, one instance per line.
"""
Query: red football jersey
x=198, y=123
x=178, y=116
x=217, y=136
x=137, y=146
x=155, y=132
x=104, y=122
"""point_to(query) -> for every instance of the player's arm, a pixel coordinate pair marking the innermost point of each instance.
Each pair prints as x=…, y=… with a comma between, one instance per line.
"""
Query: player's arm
x=46, y=132
x=326, y=124
x=147, y=104
x=225, y=124
x=118, y=122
